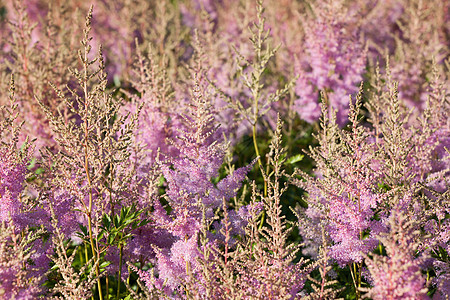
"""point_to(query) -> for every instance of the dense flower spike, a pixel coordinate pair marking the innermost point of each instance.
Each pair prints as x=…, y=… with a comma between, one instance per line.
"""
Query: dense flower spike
x=16, y=281
x=13, y=163
x=398, y=276
x=190, y=193
x=24, y=253
x=345, y=190
x=12, y=174
x=333, y=62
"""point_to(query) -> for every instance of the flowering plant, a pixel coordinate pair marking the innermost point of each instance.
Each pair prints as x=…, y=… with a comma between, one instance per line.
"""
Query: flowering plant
x=197, y=149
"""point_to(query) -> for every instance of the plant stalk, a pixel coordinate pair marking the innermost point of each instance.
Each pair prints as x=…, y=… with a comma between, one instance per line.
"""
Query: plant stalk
x=119, y=274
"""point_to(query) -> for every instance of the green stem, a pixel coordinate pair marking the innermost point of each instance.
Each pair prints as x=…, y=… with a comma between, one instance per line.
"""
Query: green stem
x=187, y=270
x=81, y=256
x=356, y=276
x=86, y=255
x=359, y=280
x=119, y=274
x=353, y=274
x=88, y=177
x=107, y=287
x=255, y=144
x=97, y=269
x=129, y=275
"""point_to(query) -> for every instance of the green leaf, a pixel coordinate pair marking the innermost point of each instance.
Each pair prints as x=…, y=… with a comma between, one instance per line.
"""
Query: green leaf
x=32, y=163
x=104, y=264
x=161, y=181
x=294, y=159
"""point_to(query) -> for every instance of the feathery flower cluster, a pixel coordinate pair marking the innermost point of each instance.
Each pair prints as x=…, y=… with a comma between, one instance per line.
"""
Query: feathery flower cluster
x=12, y=177
x=345, y=190
x=333, y=62
x=192, y=197
x=18, y=280
x=398, y=276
